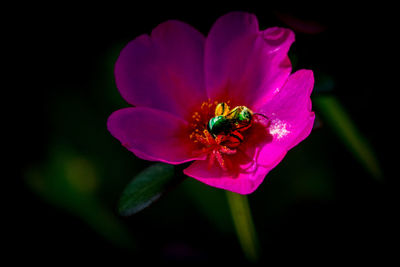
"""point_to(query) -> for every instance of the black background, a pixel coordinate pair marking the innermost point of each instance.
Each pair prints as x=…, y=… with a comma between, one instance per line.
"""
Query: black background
x=58, y=47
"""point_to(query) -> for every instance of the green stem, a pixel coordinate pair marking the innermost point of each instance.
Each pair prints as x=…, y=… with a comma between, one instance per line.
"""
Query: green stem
x=243, y=222
x=337, y=117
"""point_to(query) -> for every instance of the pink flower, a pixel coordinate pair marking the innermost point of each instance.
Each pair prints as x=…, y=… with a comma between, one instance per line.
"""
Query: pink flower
x=176, y=77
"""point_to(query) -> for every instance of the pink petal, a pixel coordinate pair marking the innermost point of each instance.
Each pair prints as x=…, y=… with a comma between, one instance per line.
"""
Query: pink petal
x=242, y=183
x=152, y=134
x=164, y=71
x=254, y=158
x=289, y=112
x=244, y=63
x=259, y=147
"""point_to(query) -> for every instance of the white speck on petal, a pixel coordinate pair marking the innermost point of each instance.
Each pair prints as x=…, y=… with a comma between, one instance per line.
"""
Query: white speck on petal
x=276, y=91
x=278, y=129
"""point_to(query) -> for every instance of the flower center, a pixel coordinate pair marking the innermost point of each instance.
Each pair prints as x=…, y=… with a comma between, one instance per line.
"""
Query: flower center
x=218, y=129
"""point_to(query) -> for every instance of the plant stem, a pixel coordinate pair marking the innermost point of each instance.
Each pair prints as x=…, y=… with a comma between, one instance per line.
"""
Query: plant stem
x=337, y=117
x=243, y=222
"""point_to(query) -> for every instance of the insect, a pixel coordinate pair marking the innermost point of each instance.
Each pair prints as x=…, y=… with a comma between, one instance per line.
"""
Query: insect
x=223, y=132
x=231, y=123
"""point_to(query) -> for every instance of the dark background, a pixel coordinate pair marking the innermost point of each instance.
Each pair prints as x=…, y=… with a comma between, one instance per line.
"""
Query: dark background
x=319, y=204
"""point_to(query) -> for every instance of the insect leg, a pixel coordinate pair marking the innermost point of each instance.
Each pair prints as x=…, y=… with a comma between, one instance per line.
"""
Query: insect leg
x=262, y=115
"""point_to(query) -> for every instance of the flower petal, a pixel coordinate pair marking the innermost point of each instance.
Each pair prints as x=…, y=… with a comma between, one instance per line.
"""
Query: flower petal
x=165, y=70
x=246, y=169
x=289, y=112
x=152, y=134
x=244, y=63
x=259, y=147
x=242, y=183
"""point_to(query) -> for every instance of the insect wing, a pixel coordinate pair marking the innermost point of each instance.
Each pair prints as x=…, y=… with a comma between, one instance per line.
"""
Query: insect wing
x=222, y=109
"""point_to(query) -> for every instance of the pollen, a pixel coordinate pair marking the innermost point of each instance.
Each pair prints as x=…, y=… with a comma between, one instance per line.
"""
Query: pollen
x=217, y=148
x=278, y=129
x=200, y=118
x=218, y=130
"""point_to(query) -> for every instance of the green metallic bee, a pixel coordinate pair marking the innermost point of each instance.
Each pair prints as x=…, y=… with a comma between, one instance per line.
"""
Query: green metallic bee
x=231, y=122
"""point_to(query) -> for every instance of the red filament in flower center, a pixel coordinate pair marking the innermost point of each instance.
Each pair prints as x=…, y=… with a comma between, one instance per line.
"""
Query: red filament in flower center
x=216, y=146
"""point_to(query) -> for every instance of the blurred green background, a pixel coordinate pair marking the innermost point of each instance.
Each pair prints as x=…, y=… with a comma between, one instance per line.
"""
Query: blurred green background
x=331, y=197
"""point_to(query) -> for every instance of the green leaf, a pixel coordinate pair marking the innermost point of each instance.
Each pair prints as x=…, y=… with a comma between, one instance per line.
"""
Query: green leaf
x=336, y=116
x=146, y=187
